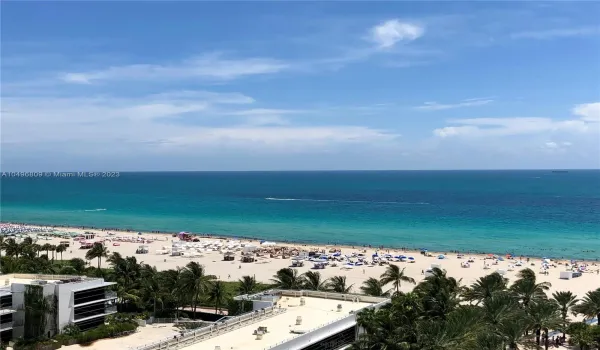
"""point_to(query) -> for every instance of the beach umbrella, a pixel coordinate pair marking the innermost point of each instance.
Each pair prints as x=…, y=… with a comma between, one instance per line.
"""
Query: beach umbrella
x=411, y=258
x=441, y=256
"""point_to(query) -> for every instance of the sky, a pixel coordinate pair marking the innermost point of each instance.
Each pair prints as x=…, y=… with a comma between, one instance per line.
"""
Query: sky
x=152, y=86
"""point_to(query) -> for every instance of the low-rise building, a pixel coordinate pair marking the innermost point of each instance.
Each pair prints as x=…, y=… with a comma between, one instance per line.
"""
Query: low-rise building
x=281, y=320
x=31, y=305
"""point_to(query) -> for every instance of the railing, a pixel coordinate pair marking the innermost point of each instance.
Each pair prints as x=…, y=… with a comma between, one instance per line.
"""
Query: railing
x=11, y=308
x=213, y=330
x=312, y=293
x=178, y=320
x=6, y=325
x=43, y=277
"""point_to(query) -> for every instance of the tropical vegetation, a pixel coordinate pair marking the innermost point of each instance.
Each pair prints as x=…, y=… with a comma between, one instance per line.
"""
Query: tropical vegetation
x=438, y=314
x=490, y=314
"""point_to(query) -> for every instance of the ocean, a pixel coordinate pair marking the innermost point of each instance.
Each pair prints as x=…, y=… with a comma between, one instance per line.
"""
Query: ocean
x=534, y=212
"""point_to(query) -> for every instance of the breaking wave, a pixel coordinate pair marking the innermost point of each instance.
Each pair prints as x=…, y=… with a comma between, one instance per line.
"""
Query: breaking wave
x=343, y=201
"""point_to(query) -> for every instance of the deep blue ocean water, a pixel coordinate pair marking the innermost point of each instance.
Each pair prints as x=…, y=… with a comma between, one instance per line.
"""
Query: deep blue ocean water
x=522, y=212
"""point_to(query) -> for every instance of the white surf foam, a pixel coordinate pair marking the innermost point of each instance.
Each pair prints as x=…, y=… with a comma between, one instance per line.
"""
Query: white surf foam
x=343, y=201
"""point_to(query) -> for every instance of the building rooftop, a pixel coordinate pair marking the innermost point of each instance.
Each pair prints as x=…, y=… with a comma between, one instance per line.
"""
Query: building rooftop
x=20, y=278
x=315, y=313
x=318, y=312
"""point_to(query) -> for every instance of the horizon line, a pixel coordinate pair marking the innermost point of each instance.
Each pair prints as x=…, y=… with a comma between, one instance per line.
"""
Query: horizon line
x=4, y=172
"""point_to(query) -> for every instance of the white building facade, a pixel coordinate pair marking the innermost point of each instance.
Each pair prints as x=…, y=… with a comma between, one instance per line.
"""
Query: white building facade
x=82, y=301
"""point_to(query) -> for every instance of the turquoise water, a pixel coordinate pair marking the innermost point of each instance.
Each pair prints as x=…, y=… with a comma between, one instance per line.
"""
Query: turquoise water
x=522, y=212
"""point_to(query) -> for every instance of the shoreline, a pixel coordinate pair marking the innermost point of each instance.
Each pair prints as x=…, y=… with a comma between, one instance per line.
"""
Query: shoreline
x=305, y=243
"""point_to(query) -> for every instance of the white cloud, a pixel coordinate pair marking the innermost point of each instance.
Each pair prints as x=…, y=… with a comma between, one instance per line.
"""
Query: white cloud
x=265, y=111
x=434, y=106
x=212, y=66
x=265, y=120
x=590, y=112
x=167, y=122
x=557, y=33
x=77, y=78
x=390, y=32
x=48, y=110
x=482, y=127
x=214, y=97
x=282, y=135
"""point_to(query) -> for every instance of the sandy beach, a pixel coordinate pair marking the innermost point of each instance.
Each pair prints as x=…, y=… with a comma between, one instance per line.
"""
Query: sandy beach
x=265, y=267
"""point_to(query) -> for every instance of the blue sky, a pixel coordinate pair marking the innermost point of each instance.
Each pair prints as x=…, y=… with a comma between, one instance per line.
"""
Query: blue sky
x=300, y=85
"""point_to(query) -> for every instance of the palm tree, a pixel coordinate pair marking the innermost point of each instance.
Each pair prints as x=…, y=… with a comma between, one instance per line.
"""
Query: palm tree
x=60, y=249
x=337, y=284
x=485, y=287
x=589, y=305
x=12, y=248
x=288, y=278
x=544, y=315
x=526, y=274
x=36, y=248
x=2, y=245
x=440, y=294
x=313, y=281
x=195, y=282
x=217, y=294
x=171, y=280
x=98, y=251
x=47, y=247
x=500, y=308
x=78, y=264
x=247, y=285
x=513, y=331
x=373, y=287
x=394, y=275
x=455, y=332
x=152, y=286
x=565, y=301
x=53, y=250
x=527, y=290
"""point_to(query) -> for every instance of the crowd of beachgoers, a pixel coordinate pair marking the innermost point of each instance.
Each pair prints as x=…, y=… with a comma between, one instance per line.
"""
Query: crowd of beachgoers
x=263, y=258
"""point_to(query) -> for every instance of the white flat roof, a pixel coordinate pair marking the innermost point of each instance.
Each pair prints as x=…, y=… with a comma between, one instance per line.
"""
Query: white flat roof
x=23, y=278
x=28, y=280
x=315, y=313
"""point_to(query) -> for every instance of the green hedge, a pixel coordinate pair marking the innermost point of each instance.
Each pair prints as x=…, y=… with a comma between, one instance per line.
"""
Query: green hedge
x=110, y=330
x=116, y=327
